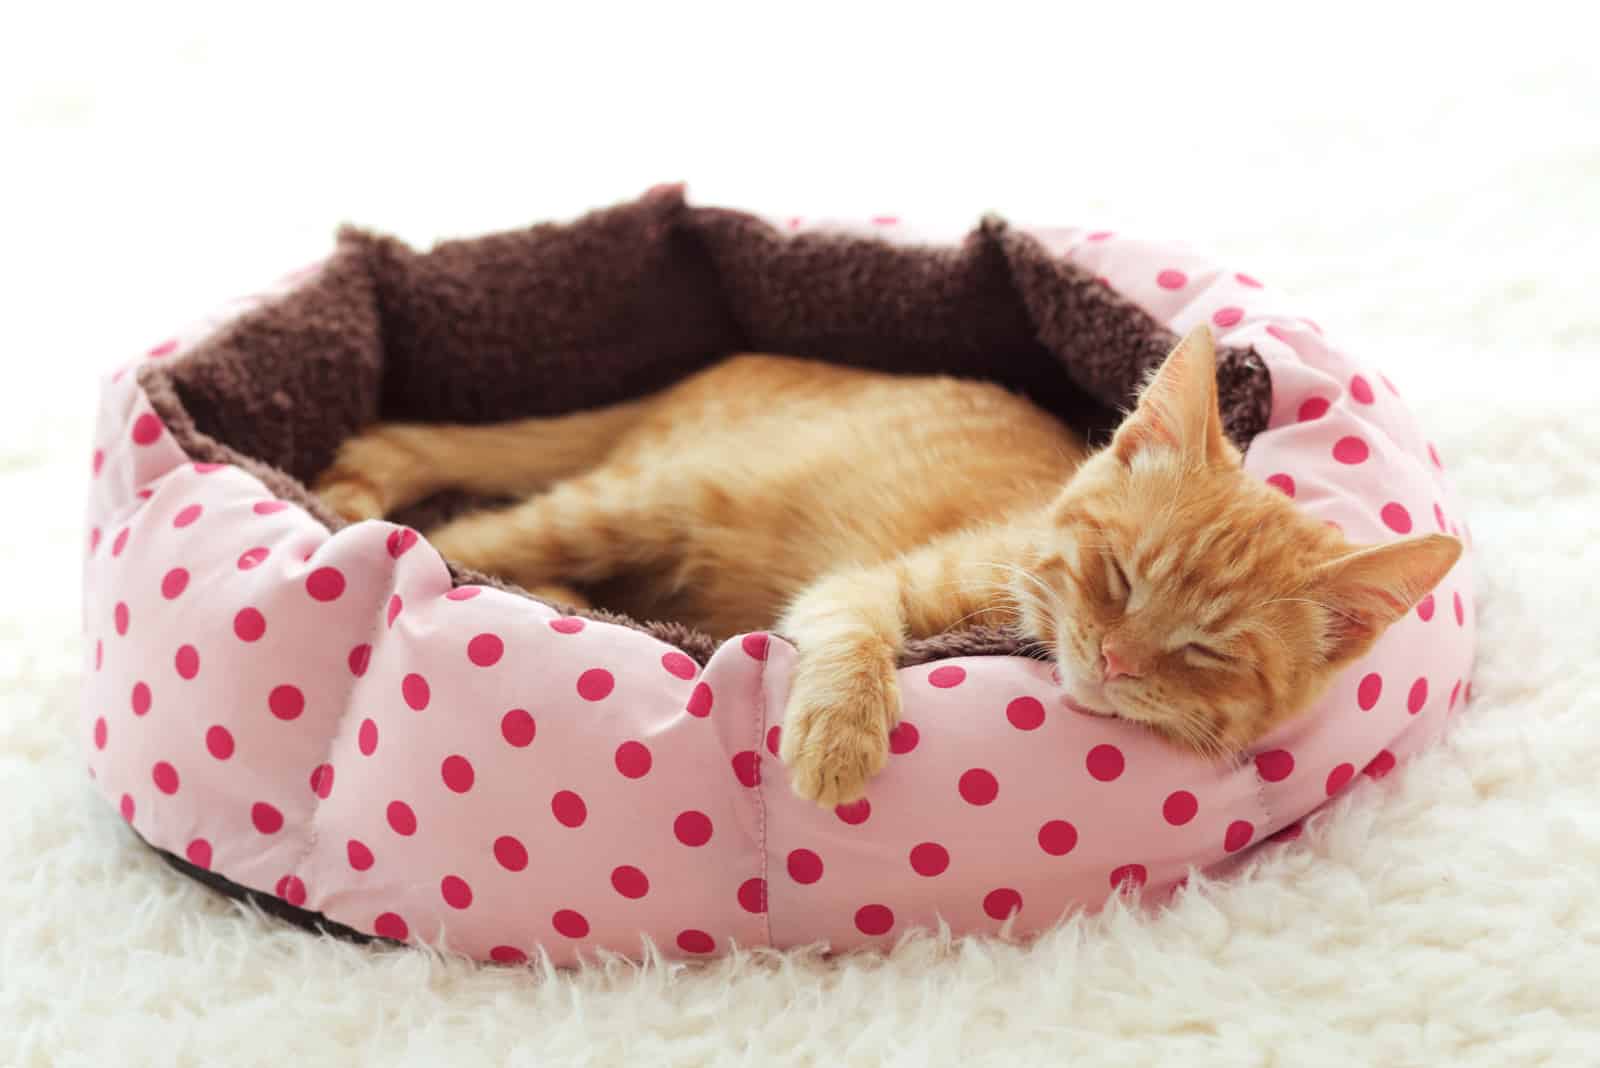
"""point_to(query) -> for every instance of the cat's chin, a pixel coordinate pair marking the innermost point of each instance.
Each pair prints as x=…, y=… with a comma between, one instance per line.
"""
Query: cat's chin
x=1075, y=705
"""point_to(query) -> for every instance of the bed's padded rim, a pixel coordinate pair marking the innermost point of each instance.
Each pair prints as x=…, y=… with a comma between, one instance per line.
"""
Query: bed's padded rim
x=625, y=300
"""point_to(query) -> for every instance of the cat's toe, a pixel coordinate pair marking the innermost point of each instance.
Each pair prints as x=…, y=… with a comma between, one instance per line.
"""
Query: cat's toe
x=833, y=748
x=352, y=497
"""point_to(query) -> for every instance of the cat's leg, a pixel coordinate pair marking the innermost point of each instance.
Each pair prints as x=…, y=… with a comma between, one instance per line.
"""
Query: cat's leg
x=391, y=465
x=849, y=628
x=583, y=531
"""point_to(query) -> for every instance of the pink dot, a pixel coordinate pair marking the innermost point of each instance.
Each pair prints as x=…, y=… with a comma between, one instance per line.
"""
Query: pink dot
x=1369, y=691
x=1417, y=697
x=774, y=739
x=1389, y=385
x=1246, y=280
x=396, y=606
x=358, y=660
x=1425, y=608
x=165, y=777
x=457, y=773
x=249, y=625
x=1289, y=833
x=1380, y=765
x=755, y=646
x=322, y=780
x=630, y=882
x=251, y=558
x=1282, y=482
x=187, y=661
x=207, y=468
x=517, y=728
x=166, y=348
x=292, y=890
x=125, y=806
x=700, y=701
x=753, y=896
x=99, y=460
x=568, y=808
x=1460, y=608
x=140, y=700
x=1396, y=518
x=633, y=760
x=174, y=582
x=286, y=702
x=946, y=677
x=1100, y=235
x=1058, y=837
x=1105, y=762
x=463, y=593
x=414, y=688
x=1438, y=517
x=1239, y=834
x=1001, y=903
x=510, y=852
x=747, y=768
x=805, y=867
x=978, y=786
x=1433, y=454
x=1172, y=279
x=100, y=732
x=120, y=542
x=1455, y=692
x=119, y=617
x=146, y=429
x=400, y=540
x=401, y=819
x=1025, y=713
x=219, y=742
x=198, y=853
x=455, y=891
x=266, y=818
x=367, y=737
x=485, y=650
x=390, y=925
x=1339, y=778
x=1361, y=389
x=94, y=540
x=874, y=919
x=99, y=654
x=596, y=684
x=678, y=664
x=1275, y=765
x=566, y=624
x=269, y=507
x=1350, y=450
x=570, y=923
x=187, y=516
x=325, y=583
x=1229, y=316
x=508, y=955
x=694, y=941
x=1180, y=807
x=855, y=813
x=1313, y=408
x=358, y=854
x=692, y=828
x=929, y=859
x=903, y=738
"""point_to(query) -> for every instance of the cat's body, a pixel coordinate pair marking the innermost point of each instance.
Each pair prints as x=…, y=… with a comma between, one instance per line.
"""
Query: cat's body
x=851, y=510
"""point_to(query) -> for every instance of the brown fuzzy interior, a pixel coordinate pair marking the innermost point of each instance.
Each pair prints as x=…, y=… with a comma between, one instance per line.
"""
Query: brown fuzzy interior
x=623, y=301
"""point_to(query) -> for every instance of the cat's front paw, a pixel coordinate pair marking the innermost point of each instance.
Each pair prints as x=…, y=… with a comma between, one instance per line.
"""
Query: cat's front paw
x=372, y=475
x=836, y=726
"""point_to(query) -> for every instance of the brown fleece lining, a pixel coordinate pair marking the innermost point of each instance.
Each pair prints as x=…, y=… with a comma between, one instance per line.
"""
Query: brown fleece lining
x=624, y=301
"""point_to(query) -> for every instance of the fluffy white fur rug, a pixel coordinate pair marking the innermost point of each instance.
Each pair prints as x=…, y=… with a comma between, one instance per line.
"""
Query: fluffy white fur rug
x=1428, y=189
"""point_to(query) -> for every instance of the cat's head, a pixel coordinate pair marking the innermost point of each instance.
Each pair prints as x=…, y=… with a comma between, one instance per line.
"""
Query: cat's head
x=1180, y=592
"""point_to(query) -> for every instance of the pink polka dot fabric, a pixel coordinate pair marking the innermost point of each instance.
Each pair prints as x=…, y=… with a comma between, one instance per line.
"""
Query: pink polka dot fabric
x=323, y=718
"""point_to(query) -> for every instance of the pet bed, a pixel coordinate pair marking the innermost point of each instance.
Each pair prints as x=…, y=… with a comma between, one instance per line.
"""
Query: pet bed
x=336, y=722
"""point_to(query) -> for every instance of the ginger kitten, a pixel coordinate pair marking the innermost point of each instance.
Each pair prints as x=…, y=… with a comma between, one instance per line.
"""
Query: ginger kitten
x=850, y=510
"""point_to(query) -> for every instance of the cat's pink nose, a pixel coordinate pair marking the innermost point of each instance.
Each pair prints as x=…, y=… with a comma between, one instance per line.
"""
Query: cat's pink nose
x=1115, y=662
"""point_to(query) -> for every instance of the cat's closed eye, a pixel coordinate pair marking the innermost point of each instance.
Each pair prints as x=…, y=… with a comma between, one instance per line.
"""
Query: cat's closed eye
x=1202, y=651
x=1118, y=579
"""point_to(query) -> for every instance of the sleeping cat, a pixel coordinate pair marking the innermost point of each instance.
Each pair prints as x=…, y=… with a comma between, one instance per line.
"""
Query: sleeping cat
x=849, y=510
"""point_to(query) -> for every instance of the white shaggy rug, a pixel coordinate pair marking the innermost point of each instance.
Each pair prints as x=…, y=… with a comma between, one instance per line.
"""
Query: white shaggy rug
x=1431, y=189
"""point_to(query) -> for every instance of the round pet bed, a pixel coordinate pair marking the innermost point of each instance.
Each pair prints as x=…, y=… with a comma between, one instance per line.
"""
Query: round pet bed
x=333, y=720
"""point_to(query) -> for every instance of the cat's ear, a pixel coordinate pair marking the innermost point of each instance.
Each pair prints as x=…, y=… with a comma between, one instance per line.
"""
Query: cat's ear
x=1177, y=410
x=1368, y=589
